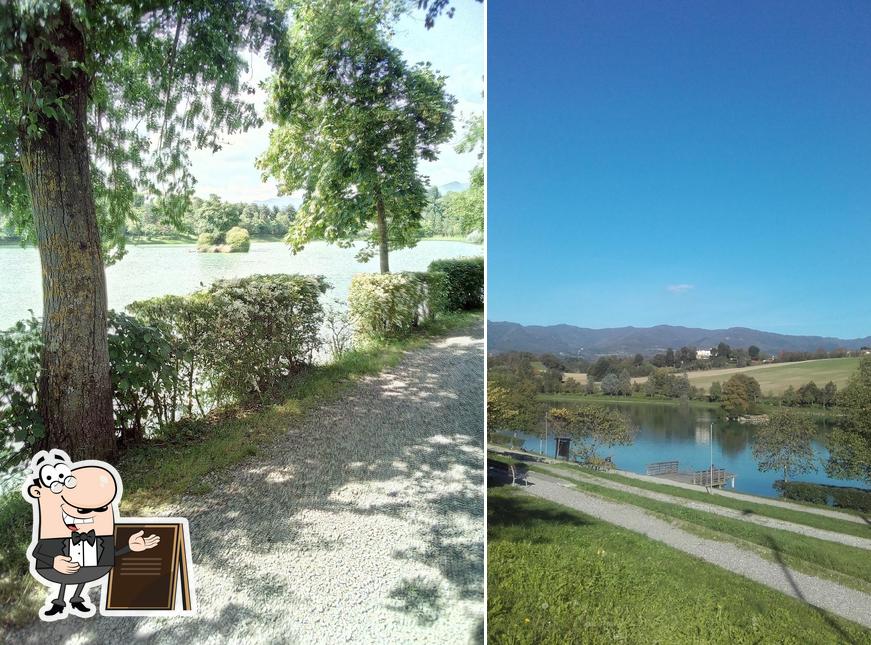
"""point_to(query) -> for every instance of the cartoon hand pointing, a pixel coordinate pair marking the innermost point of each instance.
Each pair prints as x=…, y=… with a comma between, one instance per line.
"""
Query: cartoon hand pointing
x=139, y=543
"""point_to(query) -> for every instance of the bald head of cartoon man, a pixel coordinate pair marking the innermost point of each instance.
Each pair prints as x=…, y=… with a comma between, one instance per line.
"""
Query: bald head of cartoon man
x=74, y=525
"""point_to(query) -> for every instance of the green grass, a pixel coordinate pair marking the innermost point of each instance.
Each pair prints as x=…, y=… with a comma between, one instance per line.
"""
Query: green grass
x=639, y=399
x=158, y=472
x=558, y=576
x=849, y=564
x=778, y=378
x=749, y=508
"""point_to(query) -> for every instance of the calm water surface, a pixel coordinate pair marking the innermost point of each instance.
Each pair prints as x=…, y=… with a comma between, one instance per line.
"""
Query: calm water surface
x=148, y=271
x=684, y=434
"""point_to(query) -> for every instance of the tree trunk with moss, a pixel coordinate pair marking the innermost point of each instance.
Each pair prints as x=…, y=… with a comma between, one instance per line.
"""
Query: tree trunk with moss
x=75, y=392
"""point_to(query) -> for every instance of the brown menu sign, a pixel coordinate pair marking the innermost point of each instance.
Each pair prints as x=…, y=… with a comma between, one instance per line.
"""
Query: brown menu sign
x=152, y=579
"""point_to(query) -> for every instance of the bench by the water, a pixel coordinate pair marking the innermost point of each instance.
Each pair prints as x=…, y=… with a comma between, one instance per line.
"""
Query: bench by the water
x=709, y=478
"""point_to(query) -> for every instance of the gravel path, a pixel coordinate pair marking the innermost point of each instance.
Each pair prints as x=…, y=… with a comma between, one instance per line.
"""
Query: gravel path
x=364, y=524
x=809, y=531
x=824, y=594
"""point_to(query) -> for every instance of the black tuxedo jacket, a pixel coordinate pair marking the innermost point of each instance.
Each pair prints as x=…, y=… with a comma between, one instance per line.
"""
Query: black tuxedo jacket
x=47, y=550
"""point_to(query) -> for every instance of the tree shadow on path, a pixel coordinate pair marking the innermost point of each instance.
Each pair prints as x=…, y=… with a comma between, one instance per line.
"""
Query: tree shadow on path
x=374, y=502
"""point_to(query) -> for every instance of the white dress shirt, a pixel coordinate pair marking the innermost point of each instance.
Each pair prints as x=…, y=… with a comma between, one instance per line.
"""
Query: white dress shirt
x=83, y=553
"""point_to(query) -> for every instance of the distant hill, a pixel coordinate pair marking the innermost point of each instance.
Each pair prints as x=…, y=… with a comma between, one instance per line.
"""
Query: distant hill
x=281, y=201
x=452, y=187
x=589, y=343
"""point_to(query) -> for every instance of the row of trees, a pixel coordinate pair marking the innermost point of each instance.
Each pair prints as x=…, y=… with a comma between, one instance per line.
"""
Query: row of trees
x=212, y=215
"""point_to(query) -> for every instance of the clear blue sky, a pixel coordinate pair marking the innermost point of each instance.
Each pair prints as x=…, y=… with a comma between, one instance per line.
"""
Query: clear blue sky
x=691, y=163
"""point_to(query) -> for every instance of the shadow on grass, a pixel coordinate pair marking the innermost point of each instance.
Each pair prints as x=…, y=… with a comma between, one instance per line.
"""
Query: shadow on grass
x=506, y=511
x=778, y=555
x=404, y=447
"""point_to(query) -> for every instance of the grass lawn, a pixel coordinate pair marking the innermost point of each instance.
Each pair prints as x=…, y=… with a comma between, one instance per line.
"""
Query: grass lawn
x=749, y=508
x=639, y=399
x=777, y=378
x=624, y=400
x=846, y=564
x=558, y=576
x=157, y=472
x=773, y=378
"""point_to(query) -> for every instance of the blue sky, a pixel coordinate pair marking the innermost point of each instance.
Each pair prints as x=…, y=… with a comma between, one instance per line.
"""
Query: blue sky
x=690, y=163
x=454, y=46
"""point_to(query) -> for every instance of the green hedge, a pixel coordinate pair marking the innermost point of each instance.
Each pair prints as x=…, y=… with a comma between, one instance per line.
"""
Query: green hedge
x=176, y=356
x=238, y=337
x=464, y=283
x=386, y=304
x=839, y=496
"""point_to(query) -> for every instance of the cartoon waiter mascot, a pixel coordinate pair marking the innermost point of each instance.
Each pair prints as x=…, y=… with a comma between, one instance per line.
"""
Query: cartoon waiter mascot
x=75, y=507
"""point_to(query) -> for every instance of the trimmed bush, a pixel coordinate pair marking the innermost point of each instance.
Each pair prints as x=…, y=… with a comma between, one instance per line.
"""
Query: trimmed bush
x=238, y=240
x=464, y=287
x=239, y=337
x=385, y=304
x=208, y=239
x=839, y=496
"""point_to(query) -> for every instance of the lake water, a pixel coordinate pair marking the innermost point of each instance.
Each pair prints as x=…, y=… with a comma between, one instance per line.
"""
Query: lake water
x=155, y=270
x=669, y=433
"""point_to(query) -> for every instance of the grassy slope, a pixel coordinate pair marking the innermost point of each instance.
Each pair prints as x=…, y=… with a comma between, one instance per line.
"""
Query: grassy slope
x=558, y=576
x=156, y=472
x=749, y=508
x=847, y=564
x=776, y=378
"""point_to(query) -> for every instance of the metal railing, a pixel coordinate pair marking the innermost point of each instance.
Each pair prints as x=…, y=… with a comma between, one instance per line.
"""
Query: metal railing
x=662, y=468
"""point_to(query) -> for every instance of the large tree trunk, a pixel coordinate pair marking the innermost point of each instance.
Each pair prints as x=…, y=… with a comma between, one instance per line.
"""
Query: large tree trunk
x=75, y=393
x=383, y=246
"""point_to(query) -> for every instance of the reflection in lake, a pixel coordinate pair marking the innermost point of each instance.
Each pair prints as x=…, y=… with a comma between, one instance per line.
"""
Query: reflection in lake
x=683, y=433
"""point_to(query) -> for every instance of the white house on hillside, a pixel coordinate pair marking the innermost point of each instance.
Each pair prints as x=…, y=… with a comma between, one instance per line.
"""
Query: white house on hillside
x=703, y=354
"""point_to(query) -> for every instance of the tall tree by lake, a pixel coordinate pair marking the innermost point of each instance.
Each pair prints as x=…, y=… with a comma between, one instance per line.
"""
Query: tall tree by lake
x=353, y=119
x=101, y=100
x=850, y=444
x=785, y=444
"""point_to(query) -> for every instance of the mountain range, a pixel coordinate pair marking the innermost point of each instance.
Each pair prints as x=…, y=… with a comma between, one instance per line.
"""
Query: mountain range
x=590, y=343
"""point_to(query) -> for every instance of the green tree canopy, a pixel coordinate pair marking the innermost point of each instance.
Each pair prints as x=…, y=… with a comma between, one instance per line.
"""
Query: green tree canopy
x=850, y=444
x=785, y=444
x=353, y=119
x=99, y=100
x=593, y=427
x=740, y=395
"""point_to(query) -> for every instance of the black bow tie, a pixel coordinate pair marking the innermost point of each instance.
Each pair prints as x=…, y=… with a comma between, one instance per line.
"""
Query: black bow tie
x=88, y=537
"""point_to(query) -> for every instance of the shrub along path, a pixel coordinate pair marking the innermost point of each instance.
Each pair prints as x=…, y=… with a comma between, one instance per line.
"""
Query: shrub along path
x=810, y=531
x=364, y=523
x=824, y=594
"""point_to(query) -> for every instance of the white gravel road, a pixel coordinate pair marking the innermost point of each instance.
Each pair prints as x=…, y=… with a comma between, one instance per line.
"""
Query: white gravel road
x=364, y=524
x=801, y=529
x=830, y=596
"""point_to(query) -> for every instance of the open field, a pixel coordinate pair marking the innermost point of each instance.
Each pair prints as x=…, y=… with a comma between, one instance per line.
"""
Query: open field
x=774, y=378
x=555, y=572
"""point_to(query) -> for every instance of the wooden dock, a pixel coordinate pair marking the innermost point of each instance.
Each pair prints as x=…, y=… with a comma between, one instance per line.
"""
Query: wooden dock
x=709, y=477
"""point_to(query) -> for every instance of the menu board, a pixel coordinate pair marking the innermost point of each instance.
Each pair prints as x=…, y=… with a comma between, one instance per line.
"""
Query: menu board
x=156, y=579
